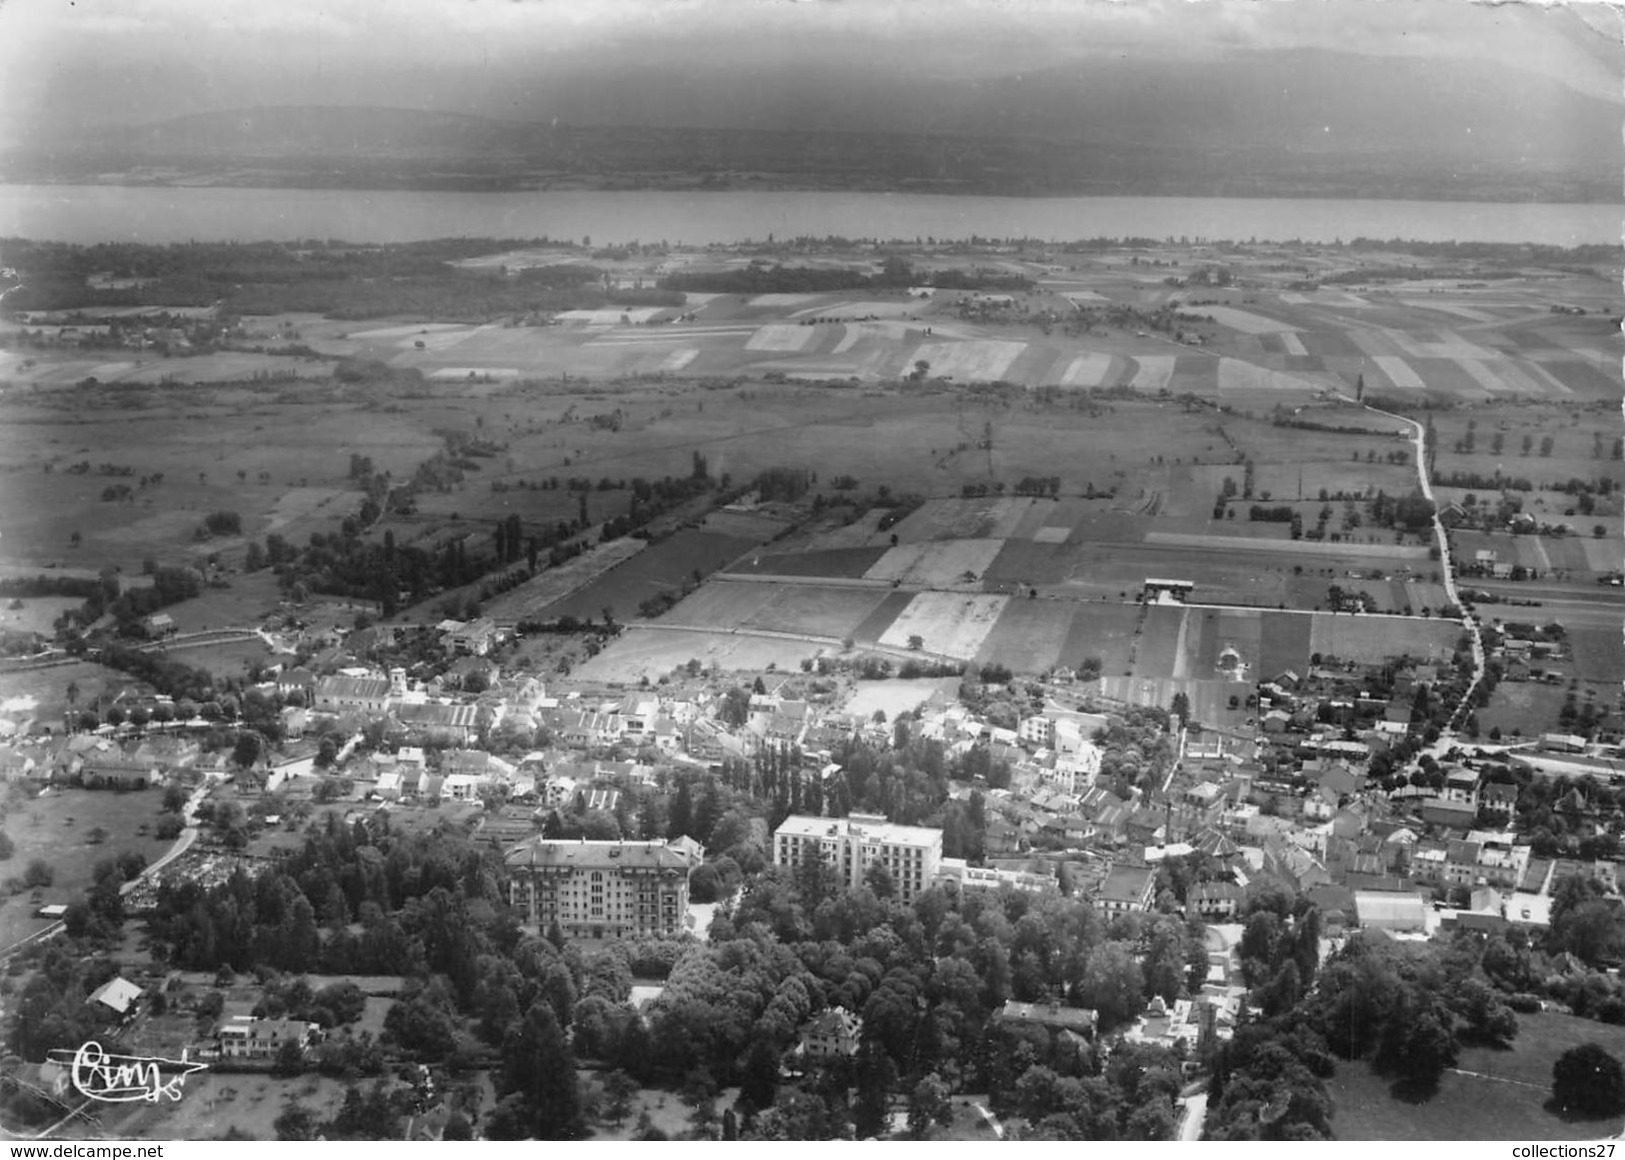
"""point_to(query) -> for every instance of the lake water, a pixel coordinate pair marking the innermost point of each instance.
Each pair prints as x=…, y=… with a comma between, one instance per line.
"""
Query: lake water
x=97, y=213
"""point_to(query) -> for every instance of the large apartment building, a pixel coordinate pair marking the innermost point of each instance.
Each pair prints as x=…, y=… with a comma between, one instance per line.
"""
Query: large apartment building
x=851, y=845
x=601, y=889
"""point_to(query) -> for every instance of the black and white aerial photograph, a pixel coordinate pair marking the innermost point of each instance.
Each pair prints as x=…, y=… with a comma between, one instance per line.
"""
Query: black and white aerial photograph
x=953, y=571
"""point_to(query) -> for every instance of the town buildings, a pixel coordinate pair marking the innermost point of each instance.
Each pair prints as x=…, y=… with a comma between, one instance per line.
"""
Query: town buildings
x=601, y=889
x=851, y=845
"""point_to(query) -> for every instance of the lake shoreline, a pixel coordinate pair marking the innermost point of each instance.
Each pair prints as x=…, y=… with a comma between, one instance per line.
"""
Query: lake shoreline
x=157, y=214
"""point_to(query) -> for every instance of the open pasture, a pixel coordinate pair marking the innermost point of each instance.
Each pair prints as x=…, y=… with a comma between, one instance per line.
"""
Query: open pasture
x=816, y=611
x=1029, y=635
x=1599, y=652
x=1498, y=442
x=216, y=1101
x=1202, y=644
x=876, y=624
x=1209, y=700
x=1246, y=321
x=976, y=361
x=534, y=597
x=1488, y=1095
x=282, y=468
x=949, y=623
x=58, y=827
x=986, y=517
x=829, y=563
x=47, y=690
x=895, y=697
x=661, y=568
x=652, y=651
x=1523, y=709
x=1375, y=638
x=936, y=564
x=34, y=613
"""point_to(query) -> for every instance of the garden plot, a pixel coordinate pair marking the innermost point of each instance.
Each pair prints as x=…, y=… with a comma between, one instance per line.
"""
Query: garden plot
x=936, y=564
x=781, y=337
x=947, y=623
x=980, y=360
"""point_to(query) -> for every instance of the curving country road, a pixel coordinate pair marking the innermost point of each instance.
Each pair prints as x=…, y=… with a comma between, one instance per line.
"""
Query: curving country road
x=1468, y=618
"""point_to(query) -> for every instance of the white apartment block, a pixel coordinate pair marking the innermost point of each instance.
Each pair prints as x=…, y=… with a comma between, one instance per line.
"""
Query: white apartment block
x=850, y=845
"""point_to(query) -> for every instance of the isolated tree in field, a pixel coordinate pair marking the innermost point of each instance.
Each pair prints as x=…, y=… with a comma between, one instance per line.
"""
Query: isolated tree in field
x=1181, y=707
x=1589, y=1081
x=39, y=873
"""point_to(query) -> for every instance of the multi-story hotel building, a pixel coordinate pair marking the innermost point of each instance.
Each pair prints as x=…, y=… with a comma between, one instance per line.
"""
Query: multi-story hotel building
x=851, y=845
x=601, y=889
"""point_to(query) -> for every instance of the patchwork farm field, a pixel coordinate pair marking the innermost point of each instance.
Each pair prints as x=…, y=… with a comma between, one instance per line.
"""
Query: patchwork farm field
x=948, y=623
x=649, y=650
x=818, y=381
x=657, y=570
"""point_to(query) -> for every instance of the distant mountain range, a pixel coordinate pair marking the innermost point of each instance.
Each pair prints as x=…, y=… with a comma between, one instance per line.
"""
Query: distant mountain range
x=1305, y=123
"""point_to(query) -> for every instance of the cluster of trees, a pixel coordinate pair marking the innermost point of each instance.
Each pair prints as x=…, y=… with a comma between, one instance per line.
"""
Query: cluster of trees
x=326, y=278
x=926, y=980
x=895, y=273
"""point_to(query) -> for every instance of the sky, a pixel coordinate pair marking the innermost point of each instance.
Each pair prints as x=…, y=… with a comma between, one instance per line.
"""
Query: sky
x=70, y=65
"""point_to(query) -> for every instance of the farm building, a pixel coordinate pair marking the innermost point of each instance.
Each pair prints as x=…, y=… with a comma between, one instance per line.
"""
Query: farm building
x=1562, y=743
x=1165, y=591
x=118, y=995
